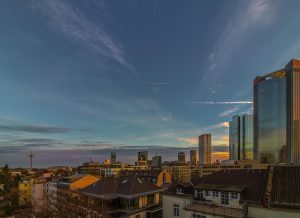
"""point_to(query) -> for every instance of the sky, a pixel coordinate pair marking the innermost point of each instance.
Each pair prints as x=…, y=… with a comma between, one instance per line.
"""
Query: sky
x=80, y=79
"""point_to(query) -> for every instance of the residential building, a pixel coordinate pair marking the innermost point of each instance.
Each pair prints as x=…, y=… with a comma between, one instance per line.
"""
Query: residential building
x=181, y=157
x=259, y=193
x=157, y=161
x=180, y=172
x=193, y=157
x=124, y=196
x=25, y=193
x=241, y=137
x=277, y=115
x=205, y=149
x=158, y=177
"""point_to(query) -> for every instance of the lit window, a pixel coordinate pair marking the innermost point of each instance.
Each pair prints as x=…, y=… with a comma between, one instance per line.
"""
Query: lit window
x=176, y=210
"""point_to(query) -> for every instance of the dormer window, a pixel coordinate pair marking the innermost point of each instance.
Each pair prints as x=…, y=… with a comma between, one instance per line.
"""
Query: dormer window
x=179, y=190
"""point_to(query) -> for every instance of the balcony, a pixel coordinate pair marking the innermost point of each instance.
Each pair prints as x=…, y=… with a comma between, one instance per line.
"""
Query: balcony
x=210, y=208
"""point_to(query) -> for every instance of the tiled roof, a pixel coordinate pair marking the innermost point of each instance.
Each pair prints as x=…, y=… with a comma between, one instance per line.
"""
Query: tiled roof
x=126, y=186
x=285, y=190
x=142, y=173
x=253, y=182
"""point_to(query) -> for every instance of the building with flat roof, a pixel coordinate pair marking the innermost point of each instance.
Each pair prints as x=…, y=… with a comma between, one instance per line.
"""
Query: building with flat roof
x=241, y=137
x=205, y=149
x=194, y=157
x=181, y=157
x=277, y=115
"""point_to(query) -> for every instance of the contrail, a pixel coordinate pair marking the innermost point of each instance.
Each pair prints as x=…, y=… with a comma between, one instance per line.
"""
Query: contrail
x=221, y=102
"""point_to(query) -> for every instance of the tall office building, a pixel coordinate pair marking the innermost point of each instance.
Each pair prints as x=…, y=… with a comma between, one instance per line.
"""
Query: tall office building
x=156, y=161
x=241, y=137
x=181, y=157
x=277, y=115
x=143, y=156
x=193, y=157
x=113, y=157
x=205, y=149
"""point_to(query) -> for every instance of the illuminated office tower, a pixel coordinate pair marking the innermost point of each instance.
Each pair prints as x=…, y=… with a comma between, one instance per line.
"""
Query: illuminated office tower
x=241, y=137
x=277, y=115
x=205, y=149
x=193, y=157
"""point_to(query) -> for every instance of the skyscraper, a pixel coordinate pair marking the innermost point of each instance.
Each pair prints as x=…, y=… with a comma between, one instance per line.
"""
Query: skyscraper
x=113, y=157
x=156, y=161
x=193, y=157
x=277, y=115
x=205, y=149
x=241, y=137
x=181, y=157
x=143, y=156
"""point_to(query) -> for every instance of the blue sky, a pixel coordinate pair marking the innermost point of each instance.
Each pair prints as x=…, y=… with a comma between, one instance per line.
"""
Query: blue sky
x=81, y=78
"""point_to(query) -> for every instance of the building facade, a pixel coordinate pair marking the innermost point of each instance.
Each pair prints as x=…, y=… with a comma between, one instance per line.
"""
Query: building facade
x=277, y=115
x=156, y=161
x=241, y=137
x=205, y=149
x=181, y=157
x=194, y=157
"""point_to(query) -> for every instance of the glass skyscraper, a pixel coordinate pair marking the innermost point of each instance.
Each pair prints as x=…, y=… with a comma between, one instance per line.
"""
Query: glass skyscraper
x=241, y=137
x=277, y=115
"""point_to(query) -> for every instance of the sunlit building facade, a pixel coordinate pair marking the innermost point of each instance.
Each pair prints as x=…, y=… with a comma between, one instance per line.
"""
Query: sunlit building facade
x=241, y=137
x=277, y=115
x=205, y=149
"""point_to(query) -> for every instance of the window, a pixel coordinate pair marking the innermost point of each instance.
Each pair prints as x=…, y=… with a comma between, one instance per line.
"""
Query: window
x=138, y=216
x=234, y=195
x=224, y=198
x=176, y=210
x=179, y=190
x=207, y=193
x=199, y=194
x=215, y=194
x=197, y=216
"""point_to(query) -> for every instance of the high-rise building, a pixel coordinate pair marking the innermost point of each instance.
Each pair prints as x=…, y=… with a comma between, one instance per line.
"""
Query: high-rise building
x=113, y=157
x=181, y=157
x=241, y=137
x=156, y=161
x=205, y=149
x=277, y=115
x=193, y=157
x=143, y=156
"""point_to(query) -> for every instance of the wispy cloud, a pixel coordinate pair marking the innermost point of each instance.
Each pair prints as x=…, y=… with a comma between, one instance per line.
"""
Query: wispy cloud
x=220, y=102
x=229, y=112
x=67, y=19
x=33, y=128
x=248, y=16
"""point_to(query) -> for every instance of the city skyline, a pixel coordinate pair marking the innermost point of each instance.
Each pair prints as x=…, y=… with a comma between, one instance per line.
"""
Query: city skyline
x=81, y=80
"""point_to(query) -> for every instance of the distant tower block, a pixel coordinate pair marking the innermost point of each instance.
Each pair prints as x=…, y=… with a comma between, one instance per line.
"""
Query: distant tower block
x=30, y=156
x=113, y=157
